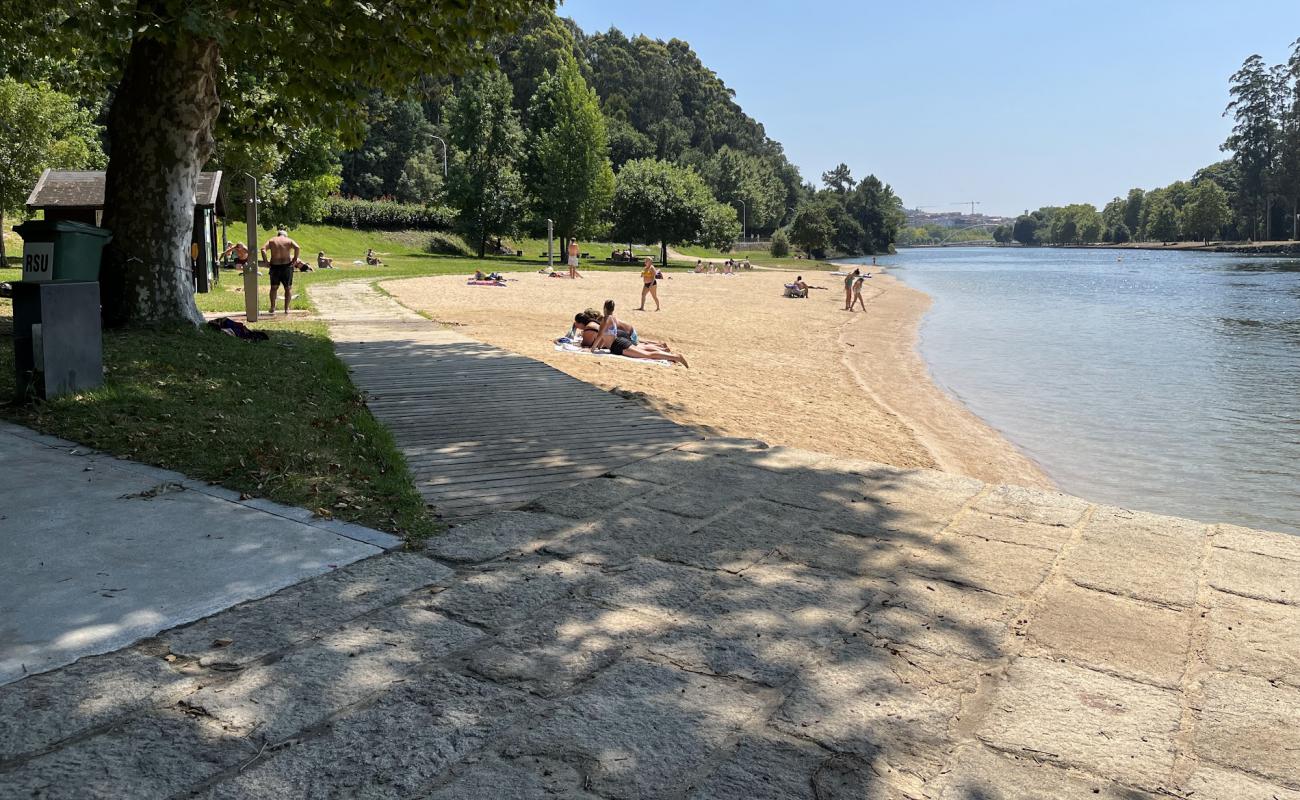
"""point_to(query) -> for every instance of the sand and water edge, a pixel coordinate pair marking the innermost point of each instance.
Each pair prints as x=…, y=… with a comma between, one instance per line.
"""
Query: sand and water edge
x=801, y=373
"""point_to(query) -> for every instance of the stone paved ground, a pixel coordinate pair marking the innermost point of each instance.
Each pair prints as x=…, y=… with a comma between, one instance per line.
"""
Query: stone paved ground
x=722, y=621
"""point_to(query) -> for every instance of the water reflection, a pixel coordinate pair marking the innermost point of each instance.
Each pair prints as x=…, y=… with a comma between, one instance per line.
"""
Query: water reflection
x=1169, y=381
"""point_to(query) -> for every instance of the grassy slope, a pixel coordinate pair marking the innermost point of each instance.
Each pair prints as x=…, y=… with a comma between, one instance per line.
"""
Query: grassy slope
x=402, y=253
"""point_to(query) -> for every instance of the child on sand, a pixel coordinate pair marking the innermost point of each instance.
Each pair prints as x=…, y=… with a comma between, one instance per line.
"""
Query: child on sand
x=857, y=292
x=573, y=259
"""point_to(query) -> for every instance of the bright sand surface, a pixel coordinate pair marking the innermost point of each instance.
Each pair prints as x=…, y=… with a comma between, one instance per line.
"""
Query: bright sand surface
x=803, y=373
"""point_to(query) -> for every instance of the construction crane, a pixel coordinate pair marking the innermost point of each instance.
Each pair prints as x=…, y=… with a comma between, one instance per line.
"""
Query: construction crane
x=971, y=203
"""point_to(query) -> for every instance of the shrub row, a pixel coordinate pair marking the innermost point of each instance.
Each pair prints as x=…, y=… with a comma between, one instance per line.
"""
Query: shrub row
x=386, y=216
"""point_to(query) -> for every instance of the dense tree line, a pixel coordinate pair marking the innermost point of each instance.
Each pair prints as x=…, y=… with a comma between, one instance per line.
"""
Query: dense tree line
x=503, y=112
x=1253, y=194
x=587, y=107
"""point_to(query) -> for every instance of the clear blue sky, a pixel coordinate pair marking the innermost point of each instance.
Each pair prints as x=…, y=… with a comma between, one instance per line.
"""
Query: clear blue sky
x=1015, y=104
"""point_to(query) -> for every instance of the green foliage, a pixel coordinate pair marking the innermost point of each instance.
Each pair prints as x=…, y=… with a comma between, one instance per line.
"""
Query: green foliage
x=297, y=172
x=812, y=229
x=386, y=216
x=1025, y=229
x=1206, y=211
x=655, y=201
x=839, y=180
x=487, y=142
x=1133, y=208
x=1159, y=218
x=780, y=244
x=720, y=227
x=738, y=177
x=1002, y=234
x=40, y=129
x=567, y=171
x=399, y=158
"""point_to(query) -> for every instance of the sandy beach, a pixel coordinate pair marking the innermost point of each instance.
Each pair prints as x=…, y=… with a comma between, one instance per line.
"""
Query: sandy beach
x=803, y=373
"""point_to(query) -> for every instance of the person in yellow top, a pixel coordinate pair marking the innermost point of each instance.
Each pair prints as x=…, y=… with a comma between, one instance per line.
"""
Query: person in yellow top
x=650, y=280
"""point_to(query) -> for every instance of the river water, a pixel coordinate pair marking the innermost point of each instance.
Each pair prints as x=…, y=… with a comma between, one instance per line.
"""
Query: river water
x=1165, y=381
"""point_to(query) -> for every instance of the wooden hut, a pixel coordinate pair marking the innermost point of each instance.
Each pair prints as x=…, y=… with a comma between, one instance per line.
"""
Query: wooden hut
x=78, y=196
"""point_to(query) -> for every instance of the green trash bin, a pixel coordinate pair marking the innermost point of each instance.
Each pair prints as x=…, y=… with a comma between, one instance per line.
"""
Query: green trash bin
x=61, y=250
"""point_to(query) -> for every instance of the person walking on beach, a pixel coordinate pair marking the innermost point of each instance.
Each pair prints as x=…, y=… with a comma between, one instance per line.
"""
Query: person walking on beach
x=857, y=292
x=573, y=259
x=848, y=288
x=283, y=253
x=649, y=281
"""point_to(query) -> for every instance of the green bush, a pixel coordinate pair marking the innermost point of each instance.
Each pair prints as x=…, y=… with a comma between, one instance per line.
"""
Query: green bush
x=780, y=245
x=448, y=244
x=384, y=215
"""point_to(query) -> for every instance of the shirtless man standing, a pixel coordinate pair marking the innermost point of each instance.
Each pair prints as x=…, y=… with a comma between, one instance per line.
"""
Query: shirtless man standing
x=283, y=255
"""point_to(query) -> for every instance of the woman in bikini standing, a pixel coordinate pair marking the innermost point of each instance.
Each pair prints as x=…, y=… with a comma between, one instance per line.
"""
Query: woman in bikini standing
x=649, y=281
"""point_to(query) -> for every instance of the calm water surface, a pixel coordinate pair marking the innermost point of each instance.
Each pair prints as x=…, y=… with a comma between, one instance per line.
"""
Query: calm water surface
x=1167, y=381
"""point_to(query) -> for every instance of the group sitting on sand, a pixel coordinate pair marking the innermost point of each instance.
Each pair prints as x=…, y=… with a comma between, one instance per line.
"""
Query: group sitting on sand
x=603, y=331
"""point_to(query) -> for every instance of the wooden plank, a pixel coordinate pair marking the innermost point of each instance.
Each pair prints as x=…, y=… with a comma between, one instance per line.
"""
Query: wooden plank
x=476, y=423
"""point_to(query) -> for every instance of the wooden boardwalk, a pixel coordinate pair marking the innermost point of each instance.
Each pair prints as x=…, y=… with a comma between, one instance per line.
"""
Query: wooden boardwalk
x=476, y=423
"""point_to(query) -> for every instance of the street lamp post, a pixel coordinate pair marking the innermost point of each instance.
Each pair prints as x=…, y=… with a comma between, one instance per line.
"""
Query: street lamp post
x=444, y=155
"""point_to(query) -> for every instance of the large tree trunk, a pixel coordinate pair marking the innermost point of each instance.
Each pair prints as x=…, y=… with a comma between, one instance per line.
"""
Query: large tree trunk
x=663, y=252
x=160, y=132
x=4, y=257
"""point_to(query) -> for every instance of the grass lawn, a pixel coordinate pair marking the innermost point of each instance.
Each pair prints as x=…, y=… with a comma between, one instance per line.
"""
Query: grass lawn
x=402, y=252
x=277, y=419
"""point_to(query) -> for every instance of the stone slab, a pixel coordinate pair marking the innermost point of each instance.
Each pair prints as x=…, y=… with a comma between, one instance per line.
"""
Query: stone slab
x=344, y=667
x=643, y=728
x=1250, y=723
x=1255, y=637
x=986, y=564
x=770, y=766
x=424, y=727
x=153, y=757
x=1077, y=718
x=1009, y=529
x=511, y=591
x=98, y=556
x=877, y=701
x=561, y=646
x=1139, y=555
x=1263, y=577
x=766, y=626
x=1141, y=641
x=622, y=535
x=1267, y=543
x=1209, y=782
x=253, y=630
x=495, y=535
x=940, y=618
x=981, y=774
x=591, y=498
x=1033, y=506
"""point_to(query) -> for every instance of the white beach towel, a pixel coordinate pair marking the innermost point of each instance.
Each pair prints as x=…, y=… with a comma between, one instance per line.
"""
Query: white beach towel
x=582, y=351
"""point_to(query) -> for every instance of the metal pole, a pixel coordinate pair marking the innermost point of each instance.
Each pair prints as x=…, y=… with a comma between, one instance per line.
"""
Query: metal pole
x=444, y=155
x=250, y=269
x=550, y=250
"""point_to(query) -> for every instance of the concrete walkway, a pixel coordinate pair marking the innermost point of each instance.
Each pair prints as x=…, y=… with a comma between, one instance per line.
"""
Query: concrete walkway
x=482, y=429
x=724, y=620
x=97, y=552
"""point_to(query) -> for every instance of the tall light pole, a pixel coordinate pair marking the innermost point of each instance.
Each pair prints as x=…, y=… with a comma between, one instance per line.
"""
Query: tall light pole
x=744, y=219
x=444, y=155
